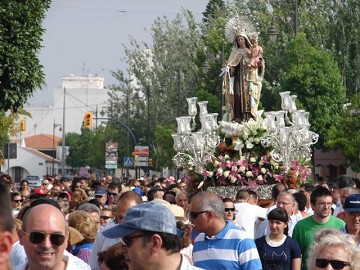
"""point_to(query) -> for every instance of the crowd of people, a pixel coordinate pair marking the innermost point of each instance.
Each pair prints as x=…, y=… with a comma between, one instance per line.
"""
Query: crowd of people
x=154, y=223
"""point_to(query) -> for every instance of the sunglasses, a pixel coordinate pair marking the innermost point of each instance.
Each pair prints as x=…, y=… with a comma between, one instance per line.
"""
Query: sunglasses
x=127, y=240
x=56, y=239
x=194, y=215
x=18, y=201
x=112, y=194
x=335, y=264
x=230, y=209
x=104, y=217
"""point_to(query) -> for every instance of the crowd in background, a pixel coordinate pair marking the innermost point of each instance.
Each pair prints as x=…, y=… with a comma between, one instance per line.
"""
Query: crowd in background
x=310, y=227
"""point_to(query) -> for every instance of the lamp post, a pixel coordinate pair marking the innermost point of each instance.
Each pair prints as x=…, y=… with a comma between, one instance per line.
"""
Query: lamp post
x=54, y=151
x=273, y=32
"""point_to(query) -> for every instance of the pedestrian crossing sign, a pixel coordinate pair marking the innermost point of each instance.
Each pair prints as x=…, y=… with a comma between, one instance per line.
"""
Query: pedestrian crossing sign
x=128, y=161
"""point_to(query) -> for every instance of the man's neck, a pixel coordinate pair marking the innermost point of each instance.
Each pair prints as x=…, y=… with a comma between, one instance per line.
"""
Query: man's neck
x=218, y=226
x=60, y=266
x=321, y=220
x=168, y=261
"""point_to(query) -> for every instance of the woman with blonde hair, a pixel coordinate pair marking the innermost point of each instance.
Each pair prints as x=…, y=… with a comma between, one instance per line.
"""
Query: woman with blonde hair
x=86, y=225
x=334, y=248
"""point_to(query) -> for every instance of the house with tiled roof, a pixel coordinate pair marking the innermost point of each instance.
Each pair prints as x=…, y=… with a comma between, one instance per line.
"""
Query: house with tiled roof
x=36, y=155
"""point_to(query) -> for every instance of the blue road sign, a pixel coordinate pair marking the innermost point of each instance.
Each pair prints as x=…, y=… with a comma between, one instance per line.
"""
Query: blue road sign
x=128, y=161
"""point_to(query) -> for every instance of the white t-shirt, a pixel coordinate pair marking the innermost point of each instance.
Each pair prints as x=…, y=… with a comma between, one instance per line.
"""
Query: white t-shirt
x=101, y=243
x=72, y=263
x=247, y=214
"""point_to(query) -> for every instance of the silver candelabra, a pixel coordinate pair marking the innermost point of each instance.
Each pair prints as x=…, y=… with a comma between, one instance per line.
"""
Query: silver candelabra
x=194, y=148
x=288, y=132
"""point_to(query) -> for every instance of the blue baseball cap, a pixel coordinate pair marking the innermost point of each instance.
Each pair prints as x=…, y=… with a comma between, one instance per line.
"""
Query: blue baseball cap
x=144, y=217
x=100, y=191
x=352, y=203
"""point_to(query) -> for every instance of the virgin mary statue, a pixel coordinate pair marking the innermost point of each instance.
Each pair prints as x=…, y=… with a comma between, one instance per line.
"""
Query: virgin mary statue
x=243, y=73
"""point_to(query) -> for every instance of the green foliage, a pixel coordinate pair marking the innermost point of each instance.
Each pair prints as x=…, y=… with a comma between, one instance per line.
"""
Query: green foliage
x=163, y=152
x=345, y=134
x=20, y=42
x=316, y=79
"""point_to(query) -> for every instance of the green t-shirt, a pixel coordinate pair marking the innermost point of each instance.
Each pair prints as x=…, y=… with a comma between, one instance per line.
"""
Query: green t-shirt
x=306, y=228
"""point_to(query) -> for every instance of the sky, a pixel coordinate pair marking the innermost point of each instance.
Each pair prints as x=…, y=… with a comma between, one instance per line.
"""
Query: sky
x=86, y=36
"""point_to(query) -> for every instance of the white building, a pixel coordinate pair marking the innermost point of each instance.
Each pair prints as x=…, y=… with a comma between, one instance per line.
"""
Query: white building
x=82, y=94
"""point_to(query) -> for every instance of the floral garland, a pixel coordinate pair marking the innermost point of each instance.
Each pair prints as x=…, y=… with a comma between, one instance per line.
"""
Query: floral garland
x=242, y=160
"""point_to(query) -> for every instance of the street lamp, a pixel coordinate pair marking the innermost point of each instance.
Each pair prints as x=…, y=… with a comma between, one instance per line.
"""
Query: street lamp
x=54, y=151
x=273, y=32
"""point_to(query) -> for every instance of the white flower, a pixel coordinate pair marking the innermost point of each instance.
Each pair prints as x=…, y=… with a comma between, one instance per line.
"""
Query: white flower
x=259, y=178
x=257, y=140
x=220, y=171
x=248, y=173
x=226, y=173
x=210, y=173
x=216, y=163
x=242, y=168
x=226, y=157
x=263, y=170
x=261, y=162
x=232, y=180
x=252, y=160
x=249, y=145
x=238, y=145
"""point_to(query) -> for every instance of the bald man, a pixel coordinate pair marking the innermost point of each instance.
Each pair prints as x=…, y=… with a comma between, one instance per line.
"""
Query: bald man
x=127, y=200
x=44, y=236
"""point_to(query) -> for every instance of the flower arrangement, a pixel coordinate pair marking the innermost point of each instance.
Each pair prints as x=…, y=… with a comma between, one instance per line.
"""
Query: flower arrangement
x=243, y=161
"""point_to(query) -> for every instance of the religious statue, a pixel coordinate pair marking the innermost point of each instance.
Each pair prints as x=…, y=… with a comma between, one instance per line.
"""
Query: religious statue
x=243, y=72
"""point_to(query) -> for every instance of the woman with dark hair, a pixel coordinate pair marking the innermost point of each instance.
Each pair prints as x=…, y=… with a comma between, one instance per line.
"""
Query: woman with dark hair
x=24, y=185
x=277, y=250
x=301, y=200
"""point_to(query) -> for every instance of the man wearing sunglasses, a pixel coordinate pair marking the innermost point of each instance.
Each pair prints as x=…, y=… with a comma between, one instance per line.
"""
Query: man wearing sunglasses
x=6, y=226
x=149, y=237
x=45, y=237
x=220, y=244
x=113, y=191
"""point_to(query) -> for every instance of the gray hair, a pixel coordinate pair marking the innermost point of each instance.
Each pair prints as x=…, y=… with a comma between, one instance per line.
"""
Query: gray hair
x=211, y=201
x=329, y=238
x=179, y=194
x=289, y=194
x=89, y=207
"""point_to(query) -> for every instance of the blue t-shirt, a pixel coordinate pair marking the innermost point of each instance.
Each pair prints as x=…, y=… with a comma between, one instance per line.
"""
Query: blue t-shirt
x=280, y=257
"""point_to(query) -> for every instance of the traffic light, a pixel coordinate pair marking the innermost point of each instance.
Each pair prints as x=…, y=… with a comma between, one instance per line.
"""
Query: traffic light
x=22, y=125
x=88, y=118
x=150, y=162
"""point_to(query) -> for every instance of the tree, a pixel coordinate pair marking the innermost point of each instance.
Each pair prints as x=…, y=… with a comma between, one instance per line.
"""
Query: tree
x=315, y=78
x=20, y=41
x=345, y=134
x=162, y=77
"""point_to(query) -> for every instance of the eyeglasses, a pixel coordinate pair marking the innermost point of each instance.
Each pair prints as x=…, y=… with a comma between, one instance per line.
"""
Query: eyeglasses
x=127, y=240
x=230, y=209
x=335, y=264
x=104, y=217
x=283, y=203
x=112, y=194
x=18, y=201
x=57, y=239
x=194, y=215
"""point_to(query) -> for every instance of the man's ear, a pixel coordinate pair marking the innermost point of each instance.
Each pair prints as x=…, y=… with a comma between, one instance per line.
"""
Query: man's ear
x=6, y=241
x=156, y=243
